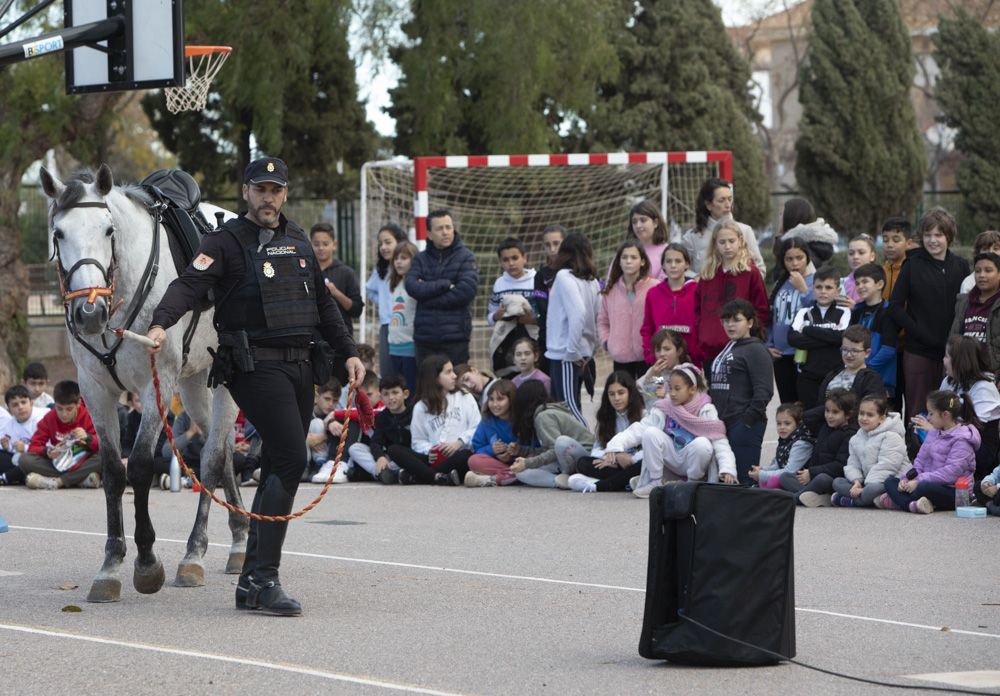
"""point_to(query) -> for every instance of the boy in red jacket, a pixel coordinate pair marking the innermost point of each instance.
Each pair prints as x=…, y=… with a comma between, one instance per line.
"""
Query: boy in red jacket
x=67, y=427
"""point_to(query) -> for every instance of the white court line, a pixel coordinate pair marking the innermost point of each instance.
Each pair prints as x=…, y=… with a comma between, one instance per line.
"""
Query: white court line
x=244, y=661
x=530, y=578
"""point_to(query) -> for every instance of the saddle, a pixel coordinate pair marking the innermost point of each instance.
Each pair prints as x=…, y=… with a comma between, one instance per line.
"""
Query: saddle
x=179, y=195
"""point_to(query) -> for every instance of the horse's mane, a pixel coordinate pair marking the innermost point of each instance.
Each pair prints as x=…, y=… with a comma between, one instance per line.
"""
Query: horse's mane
x=76, y=189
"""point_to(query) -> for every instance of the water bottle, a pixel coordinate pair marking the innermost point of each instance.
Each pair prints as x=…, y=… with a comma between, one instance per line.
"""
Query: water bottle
x=175, y=474
x=964, y=491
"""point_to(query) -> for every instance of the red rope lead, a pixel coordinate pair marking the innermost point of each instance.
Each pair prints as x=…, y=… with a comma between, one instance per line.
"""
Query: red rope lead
x=366, y=416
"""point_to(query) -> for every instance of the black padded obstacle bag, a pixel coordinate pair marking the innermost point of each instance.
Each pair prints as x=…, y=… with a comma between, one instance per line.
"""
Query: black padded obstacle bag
x=721, y=555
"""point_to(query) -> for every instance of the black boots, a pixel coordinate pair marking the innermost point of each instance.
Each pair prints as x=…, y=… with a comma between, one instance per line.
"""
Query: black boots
x=258, y=587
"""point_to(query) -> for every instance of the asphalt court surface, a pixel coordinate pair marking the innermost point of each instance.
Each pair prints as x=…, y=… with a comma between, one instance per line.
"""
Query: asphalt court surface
x=492, y=591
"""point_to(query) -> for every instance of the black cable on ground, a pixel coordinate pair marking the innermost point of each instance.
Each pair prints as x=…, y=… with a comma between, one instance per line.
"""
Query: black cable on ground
x=840, y=675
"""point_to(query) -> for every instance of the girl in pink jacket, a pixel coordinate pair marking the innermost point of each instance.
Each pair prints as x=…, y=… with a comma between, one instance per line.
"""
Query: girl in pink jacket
x=670, y=305
x=948, y=454
x=623, y=302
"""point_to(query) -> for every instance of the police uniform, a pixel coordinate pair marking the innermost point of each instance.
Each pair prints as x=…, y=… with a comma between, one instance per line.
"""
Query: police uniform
x=269, y=295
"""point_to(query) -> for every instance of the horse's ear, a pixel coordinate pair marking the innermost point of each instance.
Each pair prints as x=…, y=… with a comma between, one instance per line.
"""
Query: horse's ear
x=104, y=180
x=51, y=185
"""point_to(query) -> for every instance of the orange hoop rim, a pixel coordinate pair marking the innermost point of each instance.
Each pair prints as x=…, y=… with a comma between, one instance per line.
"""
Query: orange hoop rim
x=191, y=51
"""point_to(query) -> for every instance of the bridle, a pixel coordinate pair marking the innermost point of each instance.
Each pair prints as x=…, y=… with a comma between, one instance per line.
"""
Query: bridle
x=109, y=357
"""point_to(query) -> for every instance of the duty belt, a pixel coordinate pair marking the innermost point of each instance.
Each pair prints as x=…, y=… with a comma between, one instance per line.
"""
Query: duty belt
x=282, y=354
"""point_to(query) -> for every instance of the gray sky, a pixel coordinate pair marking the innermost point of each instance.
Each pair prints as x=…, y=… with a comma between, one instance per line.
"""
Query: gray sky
x=375, y=89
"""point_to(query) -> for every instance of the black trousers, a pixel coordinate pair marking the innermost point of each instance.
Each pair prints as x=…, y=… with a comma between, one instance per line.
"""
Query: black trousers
x=786, y=377
x=609, y=479
x=277, y=397
x=418, y=465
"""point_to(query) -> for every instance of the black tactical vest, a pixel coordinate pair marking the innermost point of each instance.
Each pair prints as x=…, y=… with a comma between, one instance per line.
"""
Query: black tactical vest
x=277, y=296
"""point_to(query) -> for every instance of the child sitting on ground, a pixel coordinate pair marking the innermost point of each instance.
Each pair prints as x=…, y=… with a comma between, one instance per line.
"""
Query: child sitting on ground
x=795, y=446
x=317, y=437
x=335, y=428
x=670, y=350
x=16, y=433
x=540, y=421
x=948, y=454
x=814, y=483
x=36, y=379
x=682, y=437
x=59, y=455
x=621, y=406
x=494, y=445
x=392, y=427
x=474, y=381
x=877, y=451
x=854, y=376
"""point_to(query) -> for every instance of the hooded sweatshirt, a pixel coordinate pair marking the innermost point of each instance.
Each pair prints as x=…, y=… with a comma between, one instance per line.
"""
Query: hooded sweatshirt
x=552, y=420
x=928, y=288
x=879, y=454
x=51, y=431
x=947, y=456
x=742, y=382
x=670, y=309
x=506, y=285
x=572, y=318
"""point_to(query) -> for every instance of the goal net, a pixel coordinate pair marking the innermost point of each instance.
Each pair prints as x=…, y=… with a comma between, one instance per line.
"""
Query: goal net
x=493, y=197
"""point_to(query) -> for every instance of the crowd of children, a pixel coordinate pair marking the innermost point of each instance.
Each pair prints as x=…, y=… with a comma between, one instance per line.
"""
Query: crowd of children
x=886, y=376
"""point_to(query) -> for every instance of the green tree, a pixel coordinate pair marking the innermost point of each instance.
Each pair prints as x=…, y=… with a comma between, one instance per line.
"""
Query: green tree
x=290, y=91
x=486, y=77
x=968, y=90
x=682, y=86
x=860, y=157
x=36, y=115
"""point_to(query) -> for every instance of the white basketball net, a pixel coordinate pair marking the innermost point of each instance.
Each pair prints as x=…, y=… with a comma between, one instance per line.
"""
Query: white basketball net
x=493, y=203
x=193, y=96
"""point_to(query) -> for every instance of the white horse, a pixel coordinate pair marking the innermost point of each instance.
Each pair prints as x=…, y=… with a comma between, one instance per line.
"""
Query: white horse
x=114, y=265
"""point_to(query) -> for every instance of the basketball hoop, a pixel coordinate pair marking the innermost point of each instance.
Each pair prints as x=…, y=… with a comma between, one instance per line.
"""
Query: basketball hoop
x=204, y=63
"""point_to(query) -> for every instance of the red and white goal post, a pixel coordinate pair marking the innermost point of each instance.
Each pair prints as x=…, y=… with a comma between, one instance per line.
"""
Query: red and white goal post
x=497, y=196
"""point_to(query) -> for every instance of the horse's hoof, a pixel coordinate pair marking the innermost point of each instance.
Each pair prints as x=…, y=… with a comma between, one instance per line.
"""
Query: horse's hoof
x=148, y=580
x=105, y=590
x=189, y=575
x=234, y=566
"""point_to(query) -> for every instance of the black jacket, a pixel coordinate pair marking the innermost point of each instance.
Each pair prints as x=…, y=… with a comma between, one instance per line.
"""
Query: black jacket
x=390, y=429
x=743, y=382
x=344, y=279
x=822, y=338
x=225, y=268
x=927, y=289
x=444, y=284
x=831, y=450
x=866, y=382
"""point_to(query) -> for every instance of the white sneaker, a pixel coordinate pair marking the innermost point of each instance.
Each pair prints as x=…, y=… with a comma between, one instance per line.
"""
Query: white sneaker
x=633, y=482
x=474, y=480
x=42, y=483
x=93, y=480
x=324, y=472
x=584, y=484
x=341, y=475
x=562, y=481
x=164, y=482
x=645, y=491
x=810, y=499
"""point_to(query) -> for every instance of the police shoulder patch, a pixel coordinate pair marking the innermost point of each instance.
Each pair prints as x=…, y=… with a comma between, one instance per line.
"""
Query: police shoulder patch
x=202, y=262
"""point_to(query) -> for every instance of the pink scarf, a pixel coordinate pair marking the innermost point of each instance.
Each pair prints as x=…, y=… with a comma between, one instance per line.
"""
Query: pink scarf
x=687, y=417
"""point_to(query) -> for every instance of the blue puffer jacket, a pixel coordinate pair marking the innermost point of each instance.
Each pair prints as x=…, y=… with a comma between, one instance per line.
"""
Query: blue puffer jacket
x=444, y=284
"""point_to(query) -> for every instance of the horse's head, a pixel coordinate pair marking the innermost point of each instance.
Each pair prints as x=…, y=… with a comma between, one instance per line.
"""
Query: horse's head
x=81, y=241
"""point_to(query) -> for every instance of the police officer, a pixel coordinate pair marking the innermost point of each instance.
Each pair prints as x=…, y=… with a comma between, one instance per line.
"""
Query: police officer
x=269, y=302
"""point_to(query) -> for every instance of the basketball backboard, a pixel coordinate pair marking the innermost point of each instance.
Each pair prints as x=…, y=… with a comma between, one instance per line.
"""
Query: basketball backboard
x=147, y=55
